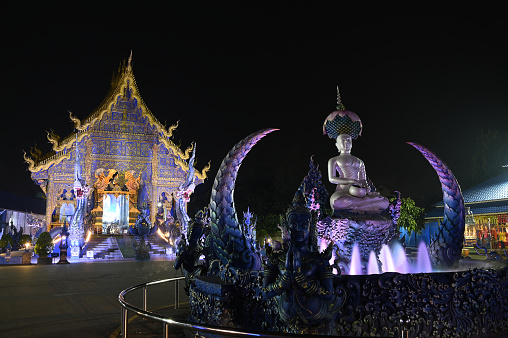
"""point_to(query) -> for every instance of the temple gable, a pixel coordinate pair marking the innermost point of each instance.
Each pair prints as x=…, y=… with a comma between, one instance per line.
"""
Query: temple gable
x=120, y=136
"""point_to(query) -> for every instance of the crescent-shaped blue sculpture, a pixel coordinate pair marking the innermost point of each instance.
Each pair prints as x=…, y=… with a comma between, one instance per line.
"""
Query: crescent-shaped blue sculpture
x=445, y=249
x=228, y=242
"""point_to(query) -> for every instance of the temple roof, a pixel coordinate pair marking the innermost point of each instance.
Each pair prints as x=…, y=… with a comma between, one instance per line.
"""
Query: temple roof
x=120, y=81
x=488, y=197
x=495, y=188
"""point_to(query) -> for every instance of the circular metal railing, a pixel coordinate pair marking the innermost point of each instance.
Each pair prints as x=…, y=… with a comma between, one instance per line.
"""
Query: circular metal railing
x=182, y=324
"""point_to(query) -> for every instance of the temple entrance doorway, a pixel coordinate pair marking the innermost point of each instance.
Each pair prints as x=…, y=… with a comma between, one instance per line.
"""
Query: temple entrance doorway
x=115, y=214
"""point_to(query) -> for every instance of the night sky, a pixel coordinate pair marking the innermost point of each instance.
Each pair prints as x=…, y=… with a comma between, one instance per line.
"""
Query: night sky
x=429, y=75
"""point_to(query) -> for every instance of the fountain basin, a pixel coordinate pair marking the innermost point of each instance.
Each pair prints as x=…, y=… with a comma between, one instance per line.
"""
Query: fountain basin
x=455, y=304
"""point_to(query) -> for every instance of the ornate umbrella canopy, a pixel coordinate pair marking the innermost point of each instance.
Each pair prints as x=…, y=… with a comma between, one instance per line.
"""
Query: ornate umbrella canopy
x=342, y=121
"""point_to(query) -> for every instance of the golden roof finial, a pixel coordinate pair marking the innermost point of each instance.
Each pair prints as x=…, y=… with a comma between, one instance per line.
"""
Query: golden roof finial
x=340, y=106
x=129, y=67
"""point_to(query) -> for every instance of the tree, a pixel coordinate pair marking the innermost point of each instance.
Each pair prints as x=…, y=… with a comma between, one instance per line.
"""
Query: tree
x=268, y=226
x=6, y=238
x=44, y=245
x=411, y=216
x=25, y=239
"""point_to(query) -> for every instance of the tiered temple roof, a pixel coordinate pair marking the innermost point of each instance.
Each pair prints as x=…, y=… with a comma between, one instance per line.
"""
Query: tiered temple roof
x=123, y=80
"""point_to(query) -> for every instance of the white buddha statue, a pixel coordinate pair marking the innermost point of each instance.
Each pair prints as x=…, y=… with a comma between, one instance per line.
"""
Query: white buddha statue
x=353, y=193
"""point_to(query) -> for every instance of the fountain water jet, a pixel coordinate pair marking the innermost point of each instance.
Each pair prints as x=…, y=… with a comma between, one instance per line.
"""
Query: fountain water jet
x=392, y=259
x=373, y=267
x=422, y=259
x=355, y=267
x=399, y=258
x=386, y=259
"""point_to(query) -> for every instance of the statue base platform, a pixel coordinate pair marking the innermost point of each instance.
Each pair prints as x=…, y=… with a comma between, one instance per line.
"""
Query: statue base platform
x=368, y=231
x=211, y=301
x=222, y=303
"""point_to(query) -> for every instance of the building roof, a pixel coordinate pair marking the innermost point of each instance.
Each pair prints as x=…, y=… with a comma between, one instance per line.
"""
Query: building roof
x=488, y=197
x=15, y=202
x=122, y=82
x=490, y=207
x=495, y=188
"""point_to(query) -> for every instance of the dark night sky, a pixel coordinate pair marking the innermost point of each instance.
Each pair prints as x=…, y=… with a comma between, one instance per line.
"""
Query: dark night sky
x=430, y=75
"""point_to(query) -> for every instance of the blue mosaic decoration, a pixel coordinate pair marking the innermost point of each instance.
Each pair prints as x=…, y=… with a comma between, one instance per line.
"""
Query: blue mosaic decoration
x=342, y=122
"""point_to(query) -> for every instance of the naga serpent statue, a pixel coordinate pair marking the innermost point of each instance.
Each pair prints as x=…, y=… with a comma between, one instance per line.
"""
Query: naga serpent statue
x=183, y=195
x=226, y=239
x=445, y=248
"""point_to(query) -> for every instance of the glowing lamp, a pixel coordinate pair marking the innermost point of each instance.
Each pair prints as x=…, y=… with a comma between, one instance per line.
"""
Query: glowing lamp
x=88, y=236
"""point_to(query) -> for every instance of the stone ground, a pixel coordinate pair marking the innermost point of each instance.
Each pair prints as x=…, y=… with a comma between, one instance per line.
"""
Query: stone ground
x=79, y=299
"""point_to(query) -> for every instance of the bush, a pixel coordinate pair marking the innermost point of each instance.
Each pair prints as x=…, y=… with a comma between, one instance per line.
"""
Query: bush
x=267, y=226
x=44, y=245
x=6, y=238
x=25, y=239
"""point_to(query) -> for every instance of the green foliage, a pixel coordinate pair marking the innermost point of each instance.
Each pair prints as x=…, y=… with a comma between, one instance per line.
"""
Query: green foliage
x=267, y=226
x=6, y=238
x=25, y=239
x=44, y=245
x=411, y=216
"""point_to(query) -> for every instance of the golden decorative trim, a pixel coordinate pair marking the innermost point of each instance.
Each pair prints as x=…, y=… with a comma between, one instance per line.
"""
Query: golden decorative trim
x=45, y=164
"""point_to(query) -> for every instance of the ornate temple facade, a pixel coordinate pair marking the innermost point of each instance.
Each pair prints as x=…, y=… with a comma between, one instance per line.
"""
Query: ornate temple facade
x=123, y=156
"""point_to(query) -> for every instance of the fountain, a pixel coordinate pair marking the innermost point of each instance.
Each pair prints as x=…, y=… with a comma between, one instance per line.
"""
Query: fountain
x=423, y=260
x=356, y=263
x=392, y=260
x=301, y=285
x=373, y=266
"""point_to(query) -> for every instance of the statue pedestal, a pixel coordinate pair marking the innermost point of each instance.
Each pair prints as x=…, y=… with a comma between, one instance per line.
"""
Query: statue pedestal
x=211, y=301
x=370, y=232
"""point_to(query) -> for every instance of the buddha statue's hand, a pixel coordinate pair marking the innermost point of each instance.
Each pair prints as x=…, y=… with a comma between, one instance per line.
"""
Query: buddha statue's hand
x=298, y=275
x=297, y=261
x=350, y=181
x=289, y=258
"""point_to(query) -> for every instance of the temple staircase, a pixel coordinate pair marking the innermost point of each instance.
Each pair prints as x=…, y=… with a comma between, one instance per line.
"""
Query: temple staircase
x=104, y=247
x=158, y=246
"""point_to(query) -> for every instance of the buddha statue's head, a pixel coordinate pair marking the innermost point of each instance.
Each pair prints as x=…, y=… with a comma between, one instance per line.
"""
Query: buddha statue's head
x=344, y=143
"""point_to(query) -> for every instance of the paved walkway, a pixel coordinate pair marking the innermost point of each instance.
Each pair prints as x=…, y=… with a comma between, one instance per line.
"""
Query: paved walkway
x=78, y=300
